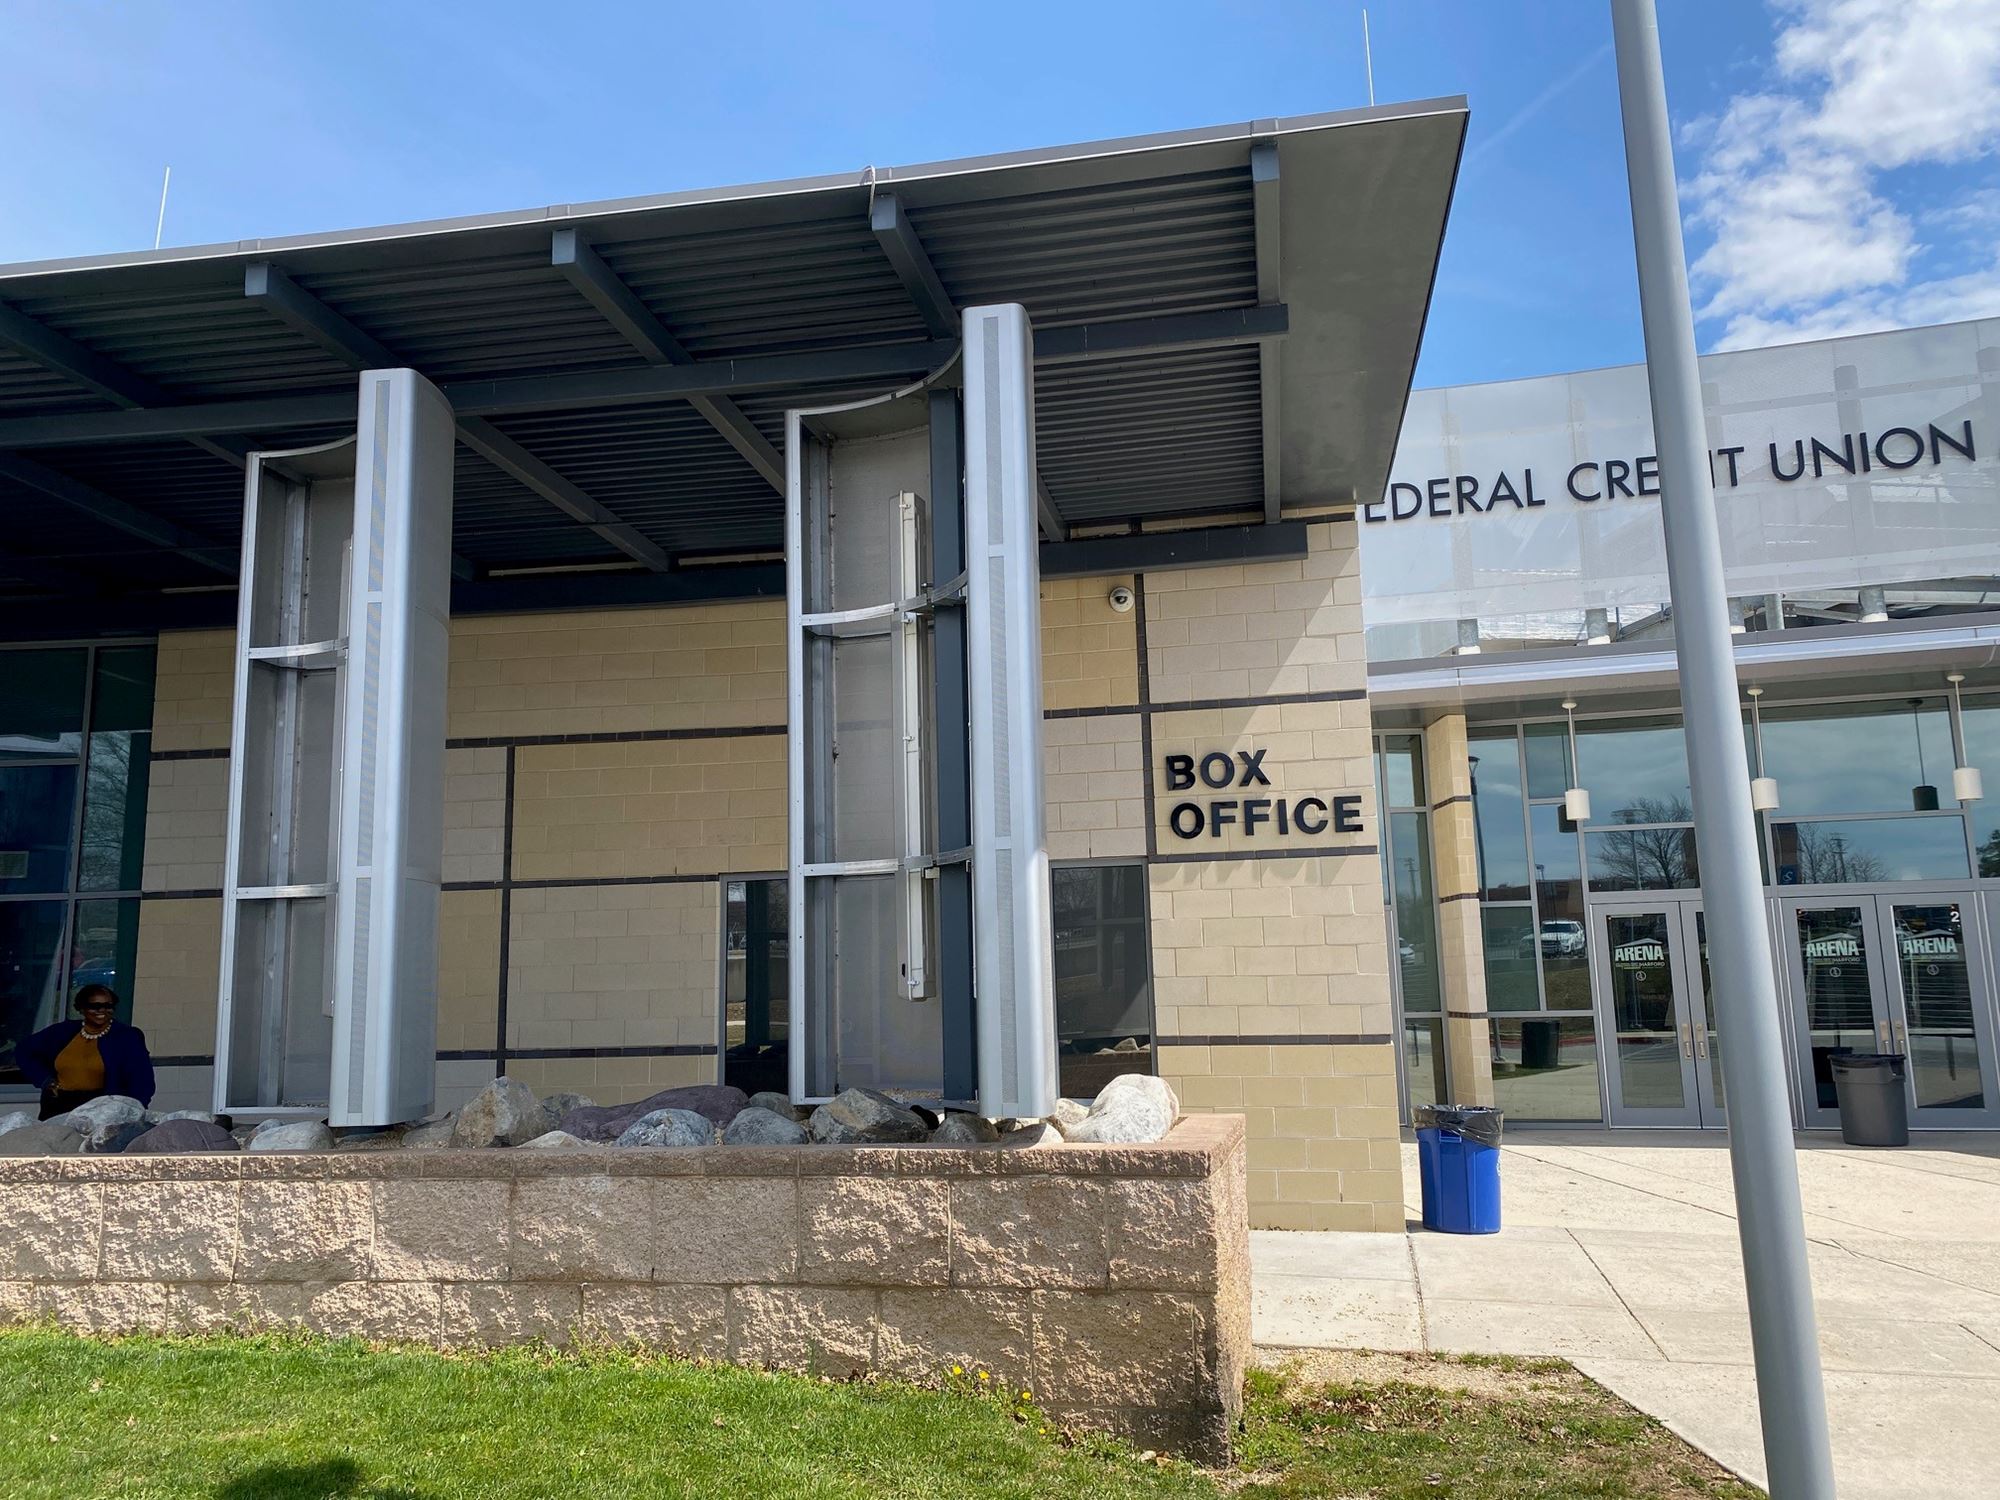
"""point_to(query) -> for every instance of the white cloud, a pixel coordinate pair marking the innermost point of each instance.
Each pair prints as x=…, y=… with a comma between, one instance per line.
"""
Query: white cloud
x=1796, y=182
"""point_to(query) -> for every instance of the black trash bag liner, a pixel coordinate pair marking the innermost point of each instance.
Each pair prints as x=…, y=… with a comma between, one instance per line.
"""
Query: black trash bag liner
x=1476, y=1122
x=1867, y=1064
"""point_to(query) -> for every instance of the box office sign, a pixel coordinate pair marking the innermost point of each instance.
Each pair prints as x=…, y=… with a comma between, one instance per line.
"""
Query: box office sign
x=1252, y=805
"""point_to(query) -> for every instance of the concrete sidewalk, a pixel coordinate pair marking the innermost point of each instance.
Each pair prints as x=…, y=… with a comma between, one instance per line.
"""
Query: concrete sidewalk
x=1620, y=1253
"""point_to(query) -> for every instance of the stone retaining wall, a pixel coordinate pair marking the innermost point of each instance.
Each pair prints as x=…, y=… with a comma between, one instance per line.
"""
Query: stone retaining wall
x=1112, y=1281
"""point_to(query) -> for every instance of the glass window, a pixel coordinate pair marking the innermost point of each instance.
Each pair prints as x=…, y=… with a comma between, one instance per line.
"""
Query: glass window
x=1982, y=749
x=1403, y=770
x=1559, y=905
x=1508, y=934
x=1416, y=917
x=1498, y=826
x=1548, y=759
x=756, y=995
x=31, y=940
x=1643, y=859
x=113, y=849
x=1889, y=756
x=41, y=702
x=1545, y=1068
x=122, y=696
x=1862, y=851
x=105, y=948
x=1423, y=1059
x=1635, y=769
x=37, y=804
x=1103, y=967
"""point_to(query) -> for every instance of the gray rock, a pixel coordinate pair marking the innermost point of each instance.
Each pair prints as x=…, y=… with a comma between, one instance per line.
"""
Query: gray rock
x=44, y=1138
x=758, y=1126
x=1132, y=1109
x=718, y=1103
x=243, y=1133
x=669, y=1127
x=16, y=1119
x=863, y=1116
x=291, y=1135
x=777, y=1104
x=1068, y=1115
x=504, y=1113
x=961, y=1129
x=176, y=1136
x=109, y=1140
x=555, y=1140
x=182, y=1114
x=559, y=1105
x=104, y=1111
x=1035, y=1133
x=388, y=1139
x=428, y=1135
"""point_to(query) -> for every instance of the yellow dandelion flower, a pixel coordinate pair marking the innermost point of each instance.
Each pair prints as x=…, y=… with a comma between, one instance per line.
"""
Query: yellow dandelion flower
x=1027, y=1395
x=958, y=1369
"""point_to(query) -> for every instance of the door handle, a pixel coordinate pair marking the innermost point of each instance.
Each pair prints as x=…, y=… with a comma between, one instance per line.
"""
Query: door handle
x=1701, y=1041
x=1902, y=1038
x=1687, y=1040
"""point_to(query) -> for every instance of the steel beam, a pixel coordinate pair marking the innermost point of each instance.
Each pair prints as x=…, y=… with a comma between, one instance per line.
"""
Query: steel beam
x=655, y=383
x=1053, y=527
x=583, y=268
x=1205, y=547
x=912, y=265
x=117, y=513
x=1264, y=188
x=270, y=288
x=493, y=445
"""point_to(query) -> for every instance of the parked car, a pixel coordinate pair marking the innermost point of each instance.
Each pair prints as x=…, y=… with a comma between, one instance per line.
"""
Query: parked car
x=1560, y=938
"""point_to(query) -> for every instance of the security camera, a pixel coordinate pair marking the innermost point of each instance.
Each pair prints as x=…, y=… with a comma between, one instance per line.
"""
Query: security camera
x=1120, y=598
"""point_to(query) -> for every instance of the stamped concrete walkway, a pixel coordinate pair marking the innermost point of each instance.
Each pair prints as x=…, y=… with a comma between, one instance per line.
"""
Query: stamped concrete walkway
x=1619, y=1253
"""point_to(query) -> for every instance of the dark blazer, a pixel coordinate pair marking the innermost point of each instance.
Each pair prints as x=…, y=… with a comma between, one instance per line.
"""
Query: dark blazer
x=128, y=1067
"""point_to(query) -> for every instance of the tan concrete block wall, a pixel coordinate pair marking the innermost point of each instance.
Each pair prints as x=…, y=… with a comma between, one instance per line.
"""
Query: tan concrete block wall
x=611, y=1080
x=194, y=680
x=1090, y=651
x=1316, y=749
x=468, y=970
x=178, y=969
x=655, y=807
x=608, y=671
x=1455, y=877
x=475, y=813
x=1111, y=1281
x=187, y=806
x=615, y=966
x=1093, y=787
x=1260, y=630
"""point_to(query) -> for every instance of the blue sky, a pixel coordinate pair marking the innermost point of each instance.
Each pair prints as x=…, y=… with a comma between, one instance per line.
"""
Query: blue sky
x=1837, y=156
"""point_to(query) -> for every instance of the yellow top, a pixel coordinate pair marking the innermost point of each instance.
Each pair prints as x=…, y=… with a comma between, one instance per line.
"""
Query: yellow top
x=80, y=1067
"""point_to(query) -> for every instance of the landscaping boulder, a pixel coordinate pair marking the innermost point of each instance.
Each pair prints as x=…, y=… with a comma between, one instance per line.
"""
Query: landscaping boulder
x=669, y=1127
x=717, y=1103
x=961, y=1129
x=758, y=1126
x=504, y=1113
x=433, y=1134
x=561, y=1104
x=1034, y=1133
x=291, y=1135
x=103, y=1112
x=862, y=1117
x=389, y=1138
x=44, y=1138
x=1068, y=1114
x=777, y=1104
x=181, y=1114
x=1132, y=1109
x=15, y=1119
x=554, y=1140
x=175, y=1136
x=109, y=1140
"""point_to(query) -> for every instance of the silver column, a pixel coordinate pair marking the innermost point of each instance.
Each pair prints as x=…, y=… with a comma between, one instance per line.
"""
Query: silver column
x=1772, y=1228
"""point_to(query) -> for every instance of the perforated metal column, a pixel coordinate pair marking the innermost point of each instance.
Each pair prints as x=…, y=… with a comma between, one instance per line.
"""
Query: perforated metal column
x=328, y=997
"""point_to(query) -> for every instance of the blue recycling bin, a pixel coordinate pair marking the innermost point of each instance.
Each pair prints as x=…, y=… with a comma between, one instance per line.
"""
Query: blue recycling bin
x=1458, y=1163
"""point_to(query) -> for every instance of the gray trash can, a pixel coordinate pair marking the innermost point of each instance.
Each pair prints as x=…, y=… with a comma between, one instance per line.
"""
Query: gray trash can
x=1874, y=1110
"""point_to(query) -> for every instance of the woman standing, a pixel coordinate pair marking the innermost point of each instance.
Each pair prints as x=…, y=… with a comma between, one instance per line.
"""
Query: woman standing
x=76, y=1061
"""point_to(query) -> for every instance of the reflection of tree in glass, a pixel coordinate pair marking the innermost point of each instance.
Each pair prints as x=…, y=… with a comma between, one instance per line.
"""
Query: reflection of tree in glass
x=1825, y=858
x=1989, y=855
x=1648, y=859
x=105, y=811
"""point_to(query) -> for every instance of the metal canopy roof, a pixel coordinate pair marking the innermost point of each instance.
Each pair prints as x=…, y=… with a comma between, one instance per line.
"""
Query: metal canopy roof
x=1227, y=321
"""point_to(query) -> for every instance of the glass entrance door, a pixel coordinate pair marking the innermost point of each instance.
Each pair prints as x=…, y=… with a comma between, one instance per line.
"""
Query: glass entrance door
x=1658, y=1013
x=1902, y=972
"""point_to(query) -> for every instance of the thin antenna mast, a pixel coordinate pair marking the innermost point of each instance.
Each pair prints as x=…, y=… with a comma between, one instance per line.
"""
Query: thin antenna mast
x=1368, y=57
x=160, y=225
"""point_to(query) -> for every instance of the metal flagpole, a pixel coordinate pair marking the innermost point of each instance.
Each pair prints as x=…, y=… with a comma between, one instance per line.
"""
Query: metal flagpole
x=1783, y=1333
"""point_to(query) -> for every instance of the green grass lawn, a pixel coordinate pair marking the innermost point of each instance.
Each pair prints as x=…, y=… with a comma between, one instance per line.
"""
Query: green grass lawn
x=293, y=1419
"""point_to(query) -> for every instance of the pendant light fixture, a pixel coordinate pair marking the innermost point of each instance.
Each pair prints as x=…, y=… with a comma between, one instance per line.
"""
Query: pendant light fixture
x=1763, y=789
x=1576, y=800
x=1967, y=785
x=1923, y=796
